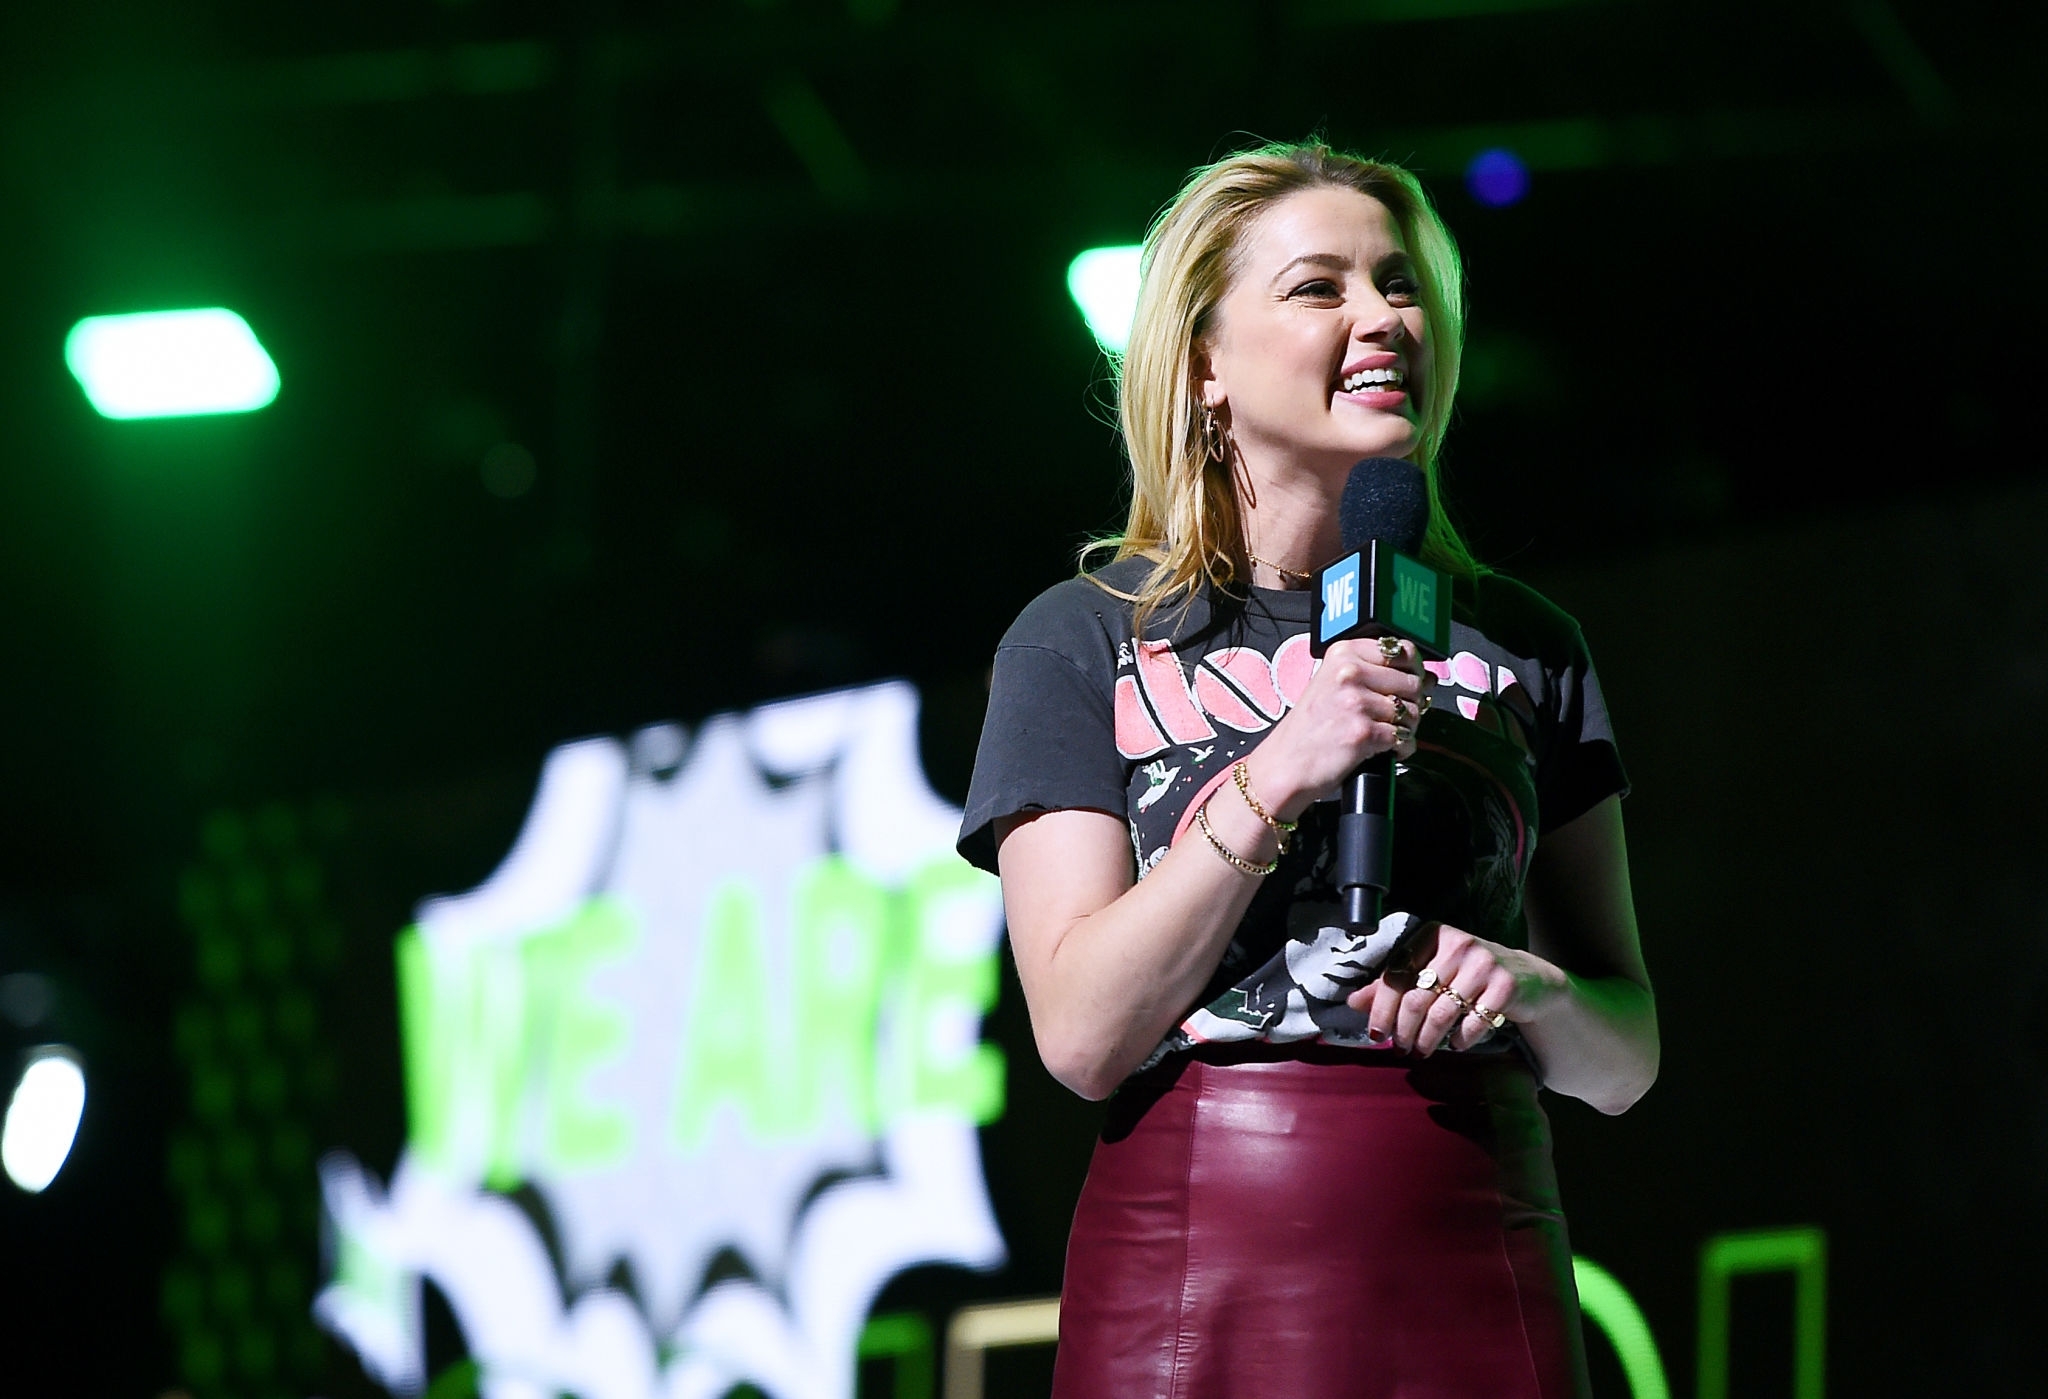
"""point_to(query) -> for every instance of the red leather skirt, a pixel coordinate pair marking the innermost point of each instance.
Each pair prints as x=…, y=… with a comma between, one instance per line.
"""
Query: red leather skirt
x=1285, y=1222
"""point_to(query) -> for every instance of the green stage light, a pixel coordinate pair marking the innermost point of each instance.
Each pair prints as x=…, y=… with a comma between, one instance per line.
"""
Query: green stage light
x=1801, y=1252
x=1603, y=1299
x=1104, y=284
x=170, y=364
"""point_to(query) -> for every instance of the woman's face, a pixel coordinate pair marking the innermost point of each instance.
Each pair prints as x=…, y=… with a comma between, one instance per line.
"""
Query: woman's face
x=1331, y=967
x=1319, y=347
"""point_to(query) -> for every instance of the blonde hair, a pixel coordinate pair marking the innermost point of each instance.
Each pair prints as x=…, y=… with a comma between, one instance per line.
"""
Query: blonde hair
x=1184, y=513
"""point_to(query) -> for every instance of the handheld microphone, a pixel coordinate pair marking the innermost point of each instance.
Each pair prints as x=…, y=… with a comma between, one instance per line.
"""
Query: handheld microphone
x=1377, y=587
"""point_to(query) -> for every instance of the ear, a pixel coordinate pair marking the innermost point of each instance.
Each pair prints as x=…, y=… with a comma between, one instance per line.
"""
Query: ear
x=1209, y=389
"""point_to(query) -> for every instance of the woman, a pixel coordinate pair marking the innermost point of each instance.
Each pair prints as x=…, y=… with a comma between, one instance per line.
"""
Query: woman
x=1325, y=1171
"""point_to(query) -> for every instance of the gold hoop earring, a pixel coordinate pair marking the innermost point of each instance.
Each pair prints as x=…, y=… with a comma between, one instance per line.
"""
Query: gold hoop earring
x=1215, y=440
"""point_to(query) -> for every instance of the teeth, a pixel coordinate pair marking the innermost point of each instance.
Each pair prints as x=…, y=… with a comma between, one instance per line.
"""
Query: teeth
x=1393, y=378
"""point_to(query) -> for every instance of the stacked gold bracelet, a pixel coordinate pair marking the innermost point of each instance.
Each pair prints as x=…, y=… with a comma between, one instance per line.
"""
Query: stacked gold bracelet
x=1202, y=820
x=1243, y=779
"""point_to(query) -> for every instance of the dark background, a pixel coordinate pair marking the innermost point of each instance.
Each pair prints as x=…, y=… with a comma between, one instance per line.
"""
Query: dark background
x=771, y=298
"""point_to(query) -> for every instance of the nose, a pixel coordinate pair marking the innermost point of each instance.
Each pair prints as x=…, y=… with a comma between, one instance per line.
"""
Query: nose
x=1378, y=322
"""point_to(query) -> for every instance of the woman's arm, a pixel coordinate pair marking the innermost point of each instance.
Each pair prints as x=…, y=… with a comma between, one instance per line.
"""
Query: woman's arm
x=1110, y=965
x=1580, y=994
x=1597, y=1039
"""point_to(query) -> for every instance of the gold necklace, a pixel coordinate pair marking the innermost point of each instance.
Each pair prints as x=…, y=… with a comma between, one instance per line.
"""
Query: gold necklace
x=1283, y=572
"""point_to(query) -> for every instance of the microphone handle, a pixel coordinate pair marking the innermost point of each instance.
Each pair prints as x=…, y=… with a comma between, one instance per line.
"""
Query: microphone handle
x=1365, y=841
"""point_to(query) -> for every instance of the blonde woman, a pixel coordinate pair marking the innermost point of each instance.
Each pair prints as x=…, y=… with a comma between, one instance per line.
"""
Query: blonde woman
x=1323, y=1171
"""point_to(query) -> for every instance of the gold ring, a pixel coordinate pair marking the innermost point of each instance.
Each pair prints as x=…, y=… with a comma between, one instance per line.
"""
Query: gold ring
x=1427, y=701
x=1491, y=1017
x=1400, y=712
x=1459, y=999
x=1426, y=980
x=1390, y=647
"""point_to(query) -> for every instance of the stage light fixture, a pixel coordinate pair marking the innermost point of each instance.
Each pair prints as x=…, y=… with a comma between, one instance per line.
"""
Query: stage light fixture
x=42, y=1117
x=170, y=364
x=1104, y=284
x=1497, y=177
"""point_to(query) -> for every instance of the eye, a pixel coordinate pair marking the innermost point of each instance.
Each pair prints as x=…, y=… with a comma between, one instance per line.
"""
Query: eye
x=1319, y=289
x=1402, y=288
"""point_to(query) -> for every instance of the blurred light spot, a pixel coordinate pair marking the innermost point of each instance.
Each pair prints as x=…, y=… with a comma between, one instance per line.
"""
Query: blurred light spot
x=1104, y=284
x=170, y=364
x=1497, y=177
x=26, y=998
x=42, y=1117
x=508, y=471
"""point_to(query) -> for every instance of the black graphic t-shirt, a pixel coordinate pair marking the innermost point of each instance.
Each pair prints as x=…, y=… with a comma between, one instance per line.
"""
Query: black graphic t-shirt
x=1083, y=714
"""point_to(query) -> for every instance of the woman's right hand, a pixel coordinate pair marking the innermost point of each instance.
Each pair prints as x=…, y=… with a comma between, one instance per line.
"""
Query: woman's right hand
x=1362, y=700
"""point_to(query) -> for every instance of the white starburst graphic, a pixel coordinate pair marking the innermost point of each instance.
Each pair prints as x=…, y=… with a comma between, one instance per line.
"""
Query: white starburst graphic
x=721, y=1009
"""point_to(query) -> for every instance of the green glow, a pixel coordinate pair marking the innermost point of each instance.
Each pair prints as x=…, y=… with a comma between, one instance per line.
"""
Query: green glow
x=732, y=1052
x=840, y=925
x=860, y=951
x=463, y=1020
x=170, y=364
x=1801, y=1252
x=819, y=142
x=1606, y=1301
x=947, y=991
x=501, y=1037
x=1104, y=284
x=485, y=1027
x=906, y=1338
x=579, y=1133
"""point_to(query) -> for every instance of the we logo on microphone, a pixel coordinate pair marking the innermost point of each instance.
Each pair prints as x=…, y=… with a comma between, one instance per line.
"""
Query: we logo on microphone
x=1340, y=599
x=1378, y=590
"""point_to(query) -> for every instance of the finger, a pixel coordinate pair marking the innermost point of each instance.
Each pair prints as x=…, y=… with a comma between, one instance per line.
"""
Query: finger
x=1409, y=1016
x=1489, y=994
x=1403, y=718
x=1439, y=1025
x=1475, y=974
x=1393, y=680
x=1498, y=998
x=1401, y=711
x=1455, y=960
x=1387, y=994
x=1426, y=1017
x=1470, y=1029
x=1362, y=663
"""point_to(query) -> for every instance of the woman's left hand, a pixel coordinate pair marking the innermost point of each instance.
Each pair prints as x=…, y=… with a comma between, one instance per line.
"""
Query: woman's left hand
x=1454, y=986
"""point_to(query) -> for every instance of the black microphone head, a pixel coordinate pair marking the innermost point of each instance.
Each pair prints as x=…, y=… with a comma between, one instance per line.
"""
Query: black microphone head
x=1385, y=499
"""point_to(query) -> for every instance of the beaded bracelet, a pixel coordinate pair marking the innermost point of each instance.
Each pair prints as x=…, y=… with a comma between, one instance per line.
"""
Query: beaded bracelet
x=1202, y=820
x=1283, y=829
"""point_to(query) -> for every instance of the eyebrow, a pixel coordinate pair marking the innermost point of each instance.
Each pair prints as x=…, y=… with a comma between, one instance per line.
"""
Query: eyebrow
x=1400, y=257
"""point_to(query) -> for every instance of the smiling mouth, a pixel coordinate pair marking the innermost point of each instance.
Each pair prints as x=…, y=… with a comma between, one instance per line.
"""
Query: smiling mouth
x=1383, y=380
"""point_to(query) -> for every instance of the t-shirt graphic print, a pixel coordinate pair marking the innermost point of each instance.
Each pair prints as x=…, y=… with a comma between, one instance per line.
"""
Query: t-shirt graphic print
x=1082, y=713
